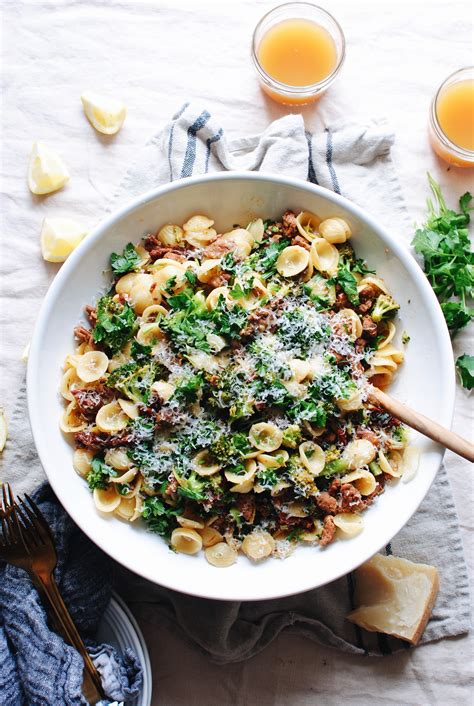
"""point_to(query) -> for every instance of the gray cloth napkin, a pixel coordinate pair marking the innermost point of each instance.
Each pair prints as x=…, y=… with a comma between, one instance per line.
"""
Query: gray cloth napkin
x=353, y=160
x=37, y=668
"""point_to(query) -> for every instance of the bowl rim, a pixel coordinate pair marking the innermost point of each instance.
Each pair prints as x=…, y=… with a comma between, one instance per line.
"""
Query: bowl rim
x=402, y=253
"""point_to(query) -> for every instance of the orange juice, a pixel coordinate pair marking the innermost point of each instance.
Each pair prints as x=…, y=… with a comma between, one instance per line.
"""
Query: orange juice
x=297, y=52
x=455, y=113
x=451, y=126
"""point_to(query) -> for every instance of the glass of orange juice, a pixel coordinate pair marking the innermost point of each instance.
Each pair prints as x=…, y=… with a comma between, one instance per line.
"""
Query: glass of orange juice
x=451, y=124
x=297, y=49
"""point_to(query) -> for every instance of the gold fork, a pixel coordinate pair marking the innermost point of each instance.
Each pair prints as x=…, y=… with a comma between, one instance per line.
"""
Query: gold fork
x=26, y=541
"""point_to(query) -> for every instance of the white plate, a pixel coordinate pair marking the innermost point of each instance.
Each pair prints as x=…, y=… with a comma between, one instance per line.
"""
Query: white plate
x=119, y=628
x=426, y=381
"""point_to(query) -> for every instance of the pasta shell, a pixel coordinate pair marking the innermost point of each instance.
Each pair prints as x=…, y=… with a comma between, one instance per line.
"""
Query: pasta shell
x=300, y=369
x=126, y=509
x=351, y=403
x=364, y=481
x=142, y=294
x=277, y=459
x=347, y=321
x=186, y=541
x=335, y=230
x=350, y=524
x=129, y=408
x=239, y=478
x=265, y=436
x=149, y=334
x=170, y=235
x=68, y=382
x=199, y=239
x=111, y=418
x=220, y=555
x=374, y=282
x=411, y=461
x=391, y=330
x=204, y=464
x=92, y=366
x=312, y=456
x=106, y=500
x=118, y=459
x=190, y=523
x=208, y=269
x=198, y=223
x=258, y=545
x=359, y=453
x=390, y=467
x=292, y=261
x=152, y=312
x=71, y=421
x=325, y=257
x=308, y=224
x=295, y=509
x=82, y=461
x=213, y=297
x=126, y=477
x=164, y=390
x=244, y=487
x=210, y=536
x=256, y=229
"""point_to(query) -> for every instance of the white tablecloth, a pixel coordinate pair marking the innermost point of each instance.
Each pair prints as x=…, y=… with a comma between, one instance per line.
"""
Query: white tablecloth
x=156, y=54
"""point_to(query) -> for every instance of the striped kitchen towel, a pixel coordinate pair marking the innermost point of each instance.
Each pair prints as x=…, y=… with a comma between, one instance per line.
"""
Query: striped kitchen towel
x=353, y=160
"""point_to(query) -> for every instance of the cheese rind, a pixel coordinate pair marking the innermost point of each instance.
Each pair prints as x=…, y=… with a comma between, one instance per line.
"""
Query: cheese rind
x=394, y=596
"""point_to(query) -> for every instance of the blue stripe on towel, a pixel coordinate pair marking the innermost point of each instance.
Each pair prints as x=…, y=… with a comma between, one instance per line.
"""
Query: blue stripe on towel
x=311, y=170
x=190, y=154
x=170, y=143
x=332, y=172
x=209, y=142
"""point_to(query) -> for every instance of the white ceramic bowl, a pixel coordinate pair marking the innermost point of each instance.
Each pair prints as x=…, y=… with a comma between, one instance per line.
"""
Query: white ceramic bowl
x=426, y=381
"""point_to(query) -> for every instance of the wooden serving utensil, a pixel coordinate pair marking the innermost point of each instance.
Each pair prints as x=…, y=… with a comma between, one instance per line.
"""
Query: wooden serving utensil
x=423, y=424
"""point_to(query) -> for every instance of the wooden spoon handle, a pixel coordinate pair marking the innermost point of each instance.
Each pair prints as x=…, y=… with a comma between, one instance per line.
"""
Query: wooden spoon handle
x=425, y=426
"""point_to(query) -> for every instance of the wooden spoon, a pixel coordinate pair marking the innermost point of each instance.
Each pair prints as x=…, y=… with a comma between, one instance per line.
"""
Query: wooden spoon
x=425, y=426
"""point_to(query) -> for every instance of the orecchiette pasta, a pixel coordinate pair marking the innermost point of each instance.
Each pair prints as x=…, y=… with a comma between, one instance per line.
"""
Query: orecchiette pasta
x=292, y=261
x=325, y=257
x=186, y=541
x=222, y=391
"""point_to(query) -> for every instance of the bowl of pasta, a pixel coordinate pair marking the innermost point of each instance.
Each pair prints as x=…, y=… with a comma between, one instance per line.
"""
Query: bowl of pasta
x=198, y=381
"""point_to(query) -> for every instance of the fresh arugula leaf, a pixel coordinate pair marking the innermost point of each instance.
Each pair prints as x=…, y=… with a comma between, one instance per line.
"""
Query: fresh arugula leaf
x=126, y=262
x=268, y=255
x=465, y=366
x=116, y=324
x=159, y=517
x=191, y=277
x=457, y=315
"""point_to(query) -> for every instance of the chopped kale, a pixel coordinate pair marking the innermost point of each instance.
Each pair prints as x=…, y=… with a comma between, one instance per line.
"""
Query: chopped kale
x=134, y=380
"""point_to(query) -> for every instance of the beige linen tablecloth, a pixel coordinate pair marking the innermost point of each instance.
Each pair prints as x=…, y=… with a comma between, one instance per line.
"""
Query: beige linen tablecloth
x=156, y=54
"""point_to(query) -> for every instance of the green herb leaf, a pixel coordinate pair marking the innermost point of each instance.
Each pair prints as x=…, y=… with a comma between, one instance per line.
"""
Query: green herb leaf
x=100, y=473
x=465, y=366
x=348, y=282
x=126, y=262
x=116, y=324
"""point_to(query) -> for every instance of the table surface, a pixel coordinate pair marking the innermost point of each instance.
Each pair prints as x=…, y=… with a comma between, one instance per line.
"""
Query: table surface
x=157, y=54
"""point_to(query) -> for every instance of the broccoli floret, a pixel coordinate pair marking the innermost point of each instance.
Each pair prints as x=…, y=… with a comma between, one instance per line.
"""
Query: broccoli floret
x=292, y=436
x=115, y=324
x=338, y=465
x=189, y=388
x=229, y=449
x=134, y=380
x=302, y=478
x=384, y=308
x=98, y=476
x=192, y=487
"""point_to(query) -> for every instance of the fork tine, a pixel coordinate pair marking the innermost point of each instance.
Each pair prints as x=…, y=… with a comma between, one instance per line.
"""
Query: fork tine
x=28, y=534
x=40, y=520
x=34, y=525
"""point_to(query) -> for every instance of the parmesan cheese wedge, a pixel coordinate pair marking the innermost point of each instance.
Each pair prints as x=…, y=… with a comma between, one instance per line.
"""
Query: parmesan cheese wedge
x=394, y=596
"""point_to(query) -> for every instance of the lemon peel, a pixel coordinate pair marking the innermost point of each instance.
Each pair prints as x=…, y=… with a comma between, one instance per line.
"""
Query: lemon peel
x=105, y=114
x=46, y=170
x=59, y=237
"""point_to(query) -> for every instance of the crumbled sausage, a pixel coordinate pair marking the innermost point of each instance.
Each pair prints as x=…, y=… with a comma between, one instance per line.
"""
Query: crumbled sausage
x=335, y=487
x=246, y=505
x=329, y=530
x=83, y=334
x=289, y=226
x=350, y=498
x=363, y=433
x=90, y=400
x=170, y=253
x=218, y=248
x=219, y=280
x=369, y=326
x=91, y=313
x=171, y=486
x=302, y=242
x=150, y=242
x=368, y=292
x=326, y=503
x=89, y=440
x=364, y=307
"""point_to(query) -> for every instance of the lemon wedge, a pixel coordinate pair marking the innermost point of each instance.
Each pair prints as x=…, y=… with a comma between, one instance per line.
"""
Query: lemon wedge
x=59, y=237
x=105, y=114
x=46, y=170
